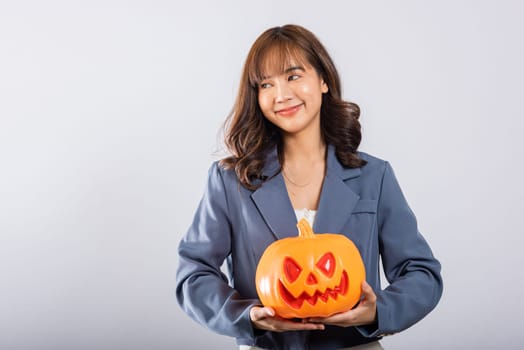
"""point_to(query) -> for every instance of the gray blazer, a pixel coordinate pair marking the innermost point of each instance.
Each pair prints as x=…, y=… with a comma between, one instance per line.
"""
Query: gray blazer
x=235, y=224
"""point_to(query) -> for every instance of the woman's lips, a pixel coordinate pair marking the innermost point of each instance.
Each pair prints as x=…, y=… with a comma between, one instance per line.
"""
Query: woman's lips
x=286, y=112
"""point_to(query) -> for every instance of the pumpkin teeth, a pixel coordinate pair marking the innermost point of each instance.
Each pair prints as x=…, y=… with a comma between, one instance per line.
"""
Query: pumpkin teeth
x=312, y=300
x=296, y=303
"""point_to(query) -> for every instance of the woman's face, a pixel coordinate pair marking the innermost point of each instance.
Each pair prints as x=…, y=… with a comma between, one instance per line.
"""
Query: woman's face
x=291, y=99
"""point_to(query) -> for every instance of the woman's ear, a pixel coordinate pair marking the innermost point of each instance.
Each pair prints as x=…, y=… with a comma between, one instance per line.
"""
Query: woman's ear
x=324, y=88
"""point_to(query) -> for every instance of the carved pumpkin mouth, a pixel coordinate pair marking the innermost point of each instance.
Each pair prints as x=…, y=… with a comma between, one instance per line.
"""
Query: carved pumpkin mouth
x=296, y=303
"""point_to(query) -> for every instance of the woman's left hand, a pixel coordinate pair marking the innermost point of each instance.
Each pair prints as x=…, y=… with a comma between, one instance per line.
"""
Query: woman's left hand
x=365, y=313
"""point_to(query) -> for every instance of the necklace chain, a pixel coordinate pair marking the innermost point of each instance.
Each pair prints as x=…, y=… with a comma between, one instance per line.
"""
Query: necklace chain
x=293, y=182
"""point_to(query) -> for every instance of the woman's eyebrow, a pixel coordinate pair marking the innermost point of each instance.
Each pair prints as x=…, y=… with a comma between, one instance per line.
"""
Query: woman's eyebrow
x=290, y=69
x=286, y=71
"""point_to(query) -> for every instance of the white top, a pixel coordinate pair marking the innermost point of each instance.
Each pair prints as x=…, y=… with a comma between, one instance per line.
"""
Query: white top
x=308, y=214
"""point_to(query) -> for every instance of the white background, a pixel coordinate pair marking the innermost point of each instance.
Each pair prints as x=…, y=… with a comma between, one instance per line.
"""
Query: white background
x=109, y=118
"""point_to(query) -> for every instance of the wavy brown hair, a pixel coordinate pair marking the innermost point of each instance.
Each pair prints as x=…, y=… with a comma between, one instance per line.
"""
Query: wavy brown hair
x=249, y=136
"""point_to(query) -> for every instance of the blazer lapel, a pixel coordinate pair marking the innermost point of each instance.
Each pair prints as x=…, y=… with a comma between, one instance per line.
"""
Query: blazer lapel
x=337, y=200
x=272, y=201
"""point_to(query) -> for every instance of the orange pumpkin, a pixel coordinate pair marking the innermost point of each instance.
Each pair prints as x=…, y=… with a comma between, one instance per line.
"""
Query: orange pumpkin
x=312, y=275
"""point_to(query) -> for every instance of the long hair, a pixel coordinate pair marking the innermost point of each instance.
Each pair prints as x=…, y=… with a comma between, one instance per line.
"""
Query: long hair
x=249, y=136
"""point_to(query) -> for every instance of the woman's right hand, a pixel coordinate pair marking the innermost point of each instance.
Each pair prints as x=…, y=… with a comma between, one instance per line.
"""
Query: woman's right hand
x=265, y=318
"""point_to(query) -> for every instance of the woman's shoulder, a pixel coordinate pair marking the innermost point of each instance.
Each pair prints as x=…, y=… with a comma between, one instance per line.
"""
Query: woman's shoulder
x=220, y=170
x=373, y=163
x=369, y=158
x=376, y=168
x=218, y=167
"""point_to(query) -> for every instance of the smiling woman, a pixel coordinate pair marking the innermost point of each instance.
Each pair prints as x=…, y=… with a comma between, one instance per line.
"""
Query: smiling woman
x=293, y=145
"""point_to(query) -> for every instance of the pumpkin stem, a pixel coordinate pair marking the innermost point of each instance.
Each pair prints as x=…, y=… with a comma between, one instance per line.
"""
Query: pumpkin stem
x=304, y=229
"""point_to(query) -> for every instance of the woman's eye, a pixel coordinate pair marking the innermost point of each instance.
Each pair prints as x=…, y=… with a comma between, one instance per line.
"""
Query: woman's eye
x=293, y=77
x=265, y=85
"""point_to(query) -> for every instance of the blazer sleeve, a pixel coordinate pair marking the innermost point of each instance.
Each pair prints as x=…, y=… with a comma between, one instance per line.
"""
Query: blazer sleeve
x=202, y=290
x=409, y=265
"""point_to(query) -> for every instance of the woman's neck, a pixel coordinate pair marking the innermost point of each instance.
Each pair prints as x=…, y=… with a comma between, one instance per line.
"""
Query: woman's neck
x=302, y=150
x=303, y=169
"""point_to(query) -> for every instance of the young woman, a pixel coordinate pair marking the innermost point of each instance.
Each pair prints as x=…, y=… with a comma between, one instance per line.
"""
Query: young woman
x=293, y=143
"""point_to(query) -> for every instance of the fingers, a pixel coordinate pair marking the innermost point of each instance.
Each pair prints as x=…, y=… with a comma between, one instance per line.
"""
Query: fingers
x=287, y=325
x=368, y=293
x=281, y=325
x=266, y=318
x=260, y=313
x=335, y=319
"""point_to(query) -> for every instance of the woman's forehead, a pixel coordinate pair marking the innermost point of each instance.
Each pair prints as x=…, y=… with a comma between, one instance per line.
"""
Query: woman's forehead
x=276, y=61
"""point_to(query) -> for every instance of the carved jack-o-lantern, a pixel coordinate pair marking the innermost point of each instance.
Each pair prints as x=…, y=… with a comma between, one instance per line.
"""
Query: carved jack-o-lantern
x=310, y=275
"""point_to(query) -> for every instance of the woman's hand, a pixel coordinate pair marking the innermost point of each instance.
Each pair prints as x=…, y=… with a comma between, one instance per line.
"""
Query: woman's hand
x=265, y=318
x=365, y=313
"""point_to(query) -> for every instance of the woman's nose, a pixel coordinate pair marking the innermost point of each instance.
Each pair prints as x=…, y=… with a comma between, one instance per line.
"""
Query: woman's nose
x=283, y=92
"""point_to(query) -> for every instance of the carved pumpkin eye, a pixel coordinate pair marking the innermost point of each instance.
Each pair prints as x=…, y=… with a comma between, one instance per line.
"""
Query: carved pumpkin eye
x=291, y=269
x=326, y=264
